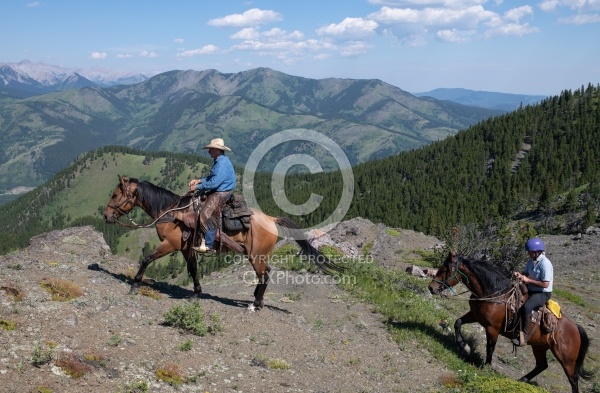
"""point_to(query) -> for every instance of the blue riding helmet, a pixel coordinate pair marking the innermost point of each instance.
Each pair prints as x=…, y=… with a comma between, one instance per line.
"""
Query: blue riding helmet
x=534, y=244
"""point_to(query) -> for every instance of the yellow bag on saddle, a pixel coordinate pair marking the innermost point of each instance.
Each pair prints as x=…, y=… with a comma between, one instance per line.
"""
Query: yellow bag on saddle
x=554, y=307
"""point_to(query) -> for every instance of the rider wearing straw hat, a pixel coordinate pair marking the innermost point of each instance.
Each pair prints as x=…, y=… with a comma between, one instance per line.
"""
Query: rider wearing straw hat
x=219, y=183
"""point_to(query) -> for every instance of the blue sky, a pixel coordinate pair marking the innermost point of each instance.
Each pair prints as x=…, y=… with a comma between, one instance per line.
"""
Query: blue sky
x=540, y=47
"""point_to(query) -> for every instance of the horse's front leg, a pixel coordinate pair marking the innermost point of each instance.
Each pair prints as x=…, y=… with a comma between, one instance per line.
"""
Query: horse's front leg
x=160, y=251
x=491, y=335
x=467, y=318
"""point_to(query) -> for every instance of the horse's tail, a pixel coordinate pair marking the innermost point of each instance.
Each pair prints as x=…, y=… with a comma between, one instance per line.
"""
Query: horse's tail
x=583, y=348
x=293, y=230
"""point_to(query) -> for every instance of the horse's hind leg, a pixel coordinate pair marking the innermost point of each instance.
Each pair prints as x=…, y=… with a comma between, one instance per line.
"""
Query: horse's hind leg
x=541, y=362
x=261, y=287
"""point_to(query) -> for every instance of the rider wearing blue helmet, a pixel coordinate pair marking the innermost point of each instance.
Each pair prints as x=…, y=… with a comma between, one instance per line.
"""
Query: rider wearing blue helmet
x=538, y=276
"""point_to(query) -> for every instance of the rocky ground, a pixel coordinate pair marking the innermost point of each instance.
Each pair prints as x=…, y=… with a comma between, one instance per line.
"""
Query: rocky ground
x=311, y=336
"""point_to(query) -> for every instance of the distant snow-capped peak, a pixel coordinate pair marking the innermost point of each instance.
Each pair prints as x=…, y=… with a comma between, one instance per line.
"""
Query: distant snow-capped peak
x=49, y=75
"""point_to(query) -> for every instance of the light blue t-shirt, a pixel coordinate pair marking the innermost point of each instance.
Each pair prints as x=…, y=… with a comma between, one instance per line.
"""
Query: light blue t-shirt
x=539, y=270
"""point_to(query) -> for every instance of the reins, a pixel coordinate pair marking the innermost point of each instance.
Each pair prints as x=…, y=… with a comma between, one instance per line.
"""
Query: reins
x=506, y=296
x=133, y=224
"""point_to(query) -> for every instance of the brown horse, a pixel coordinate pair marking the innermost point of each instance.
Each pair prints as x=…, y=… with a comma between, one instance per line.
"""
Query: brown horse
x=160, y=204
x=490, y=290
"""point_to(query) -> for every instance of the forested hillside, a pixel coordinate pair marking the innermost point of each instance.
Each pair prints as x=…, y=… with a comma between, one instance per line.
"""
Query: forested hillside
x=542, y=160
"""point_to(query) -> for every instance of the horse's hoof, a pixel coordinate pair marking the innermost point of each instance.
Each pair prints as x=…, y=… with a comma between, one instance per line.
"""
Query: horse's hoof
x=467, y=349
x=196, y=296
x=133, y=290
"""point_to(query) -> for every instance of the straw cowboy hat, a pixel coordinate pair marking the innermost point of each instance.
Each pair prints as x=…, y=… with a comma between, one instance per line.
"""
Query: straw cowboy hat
x=217, y=143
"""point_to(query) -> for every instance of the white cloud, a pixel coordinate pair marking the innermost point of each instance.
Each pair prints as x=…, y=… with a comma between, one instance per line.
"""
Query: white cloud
x=453, y=35
x=205, y=50
x=548, y=5
x=458, y=18
x=98, y=55
x=350, y=27
x=33, y=4
x=178, y=40
x=516, y=14
x=354, y=48
x=581, y=19
x=511, y=29
x=146, y=53
x=252, y=17
x=124, y=56
x=247, y=33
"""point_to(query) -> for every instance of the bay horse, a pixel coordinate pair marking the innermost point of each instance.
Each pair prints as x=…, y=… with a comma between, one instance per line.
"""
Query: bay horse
x=257, y=243
x=490, y=291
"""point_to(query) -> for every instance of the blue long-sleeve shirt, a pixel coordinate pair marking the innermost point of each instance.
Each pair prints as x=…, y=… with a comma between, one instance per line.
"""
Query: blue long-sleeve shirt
x=220, y=178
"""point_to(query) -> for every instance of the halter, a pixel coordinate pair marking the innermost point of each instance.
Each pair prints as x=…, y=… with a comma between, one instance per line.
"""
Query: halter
x=454, y=275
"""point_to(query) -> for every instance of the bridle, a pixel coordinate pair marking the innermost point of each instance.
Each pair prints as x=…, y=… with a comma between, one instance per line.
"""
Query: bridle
x=129, y=195
x=455, y=275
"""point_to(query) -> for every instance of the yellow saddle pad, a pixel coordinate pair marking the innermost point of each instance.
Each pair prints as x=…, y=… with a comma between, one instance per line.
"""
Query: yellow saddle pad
x=554, y=307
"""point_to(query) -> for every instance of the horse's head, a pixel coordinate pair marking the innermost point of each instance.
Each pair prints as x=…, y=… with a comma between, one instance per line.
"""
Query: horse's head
x=447, y=275
x=123, y=199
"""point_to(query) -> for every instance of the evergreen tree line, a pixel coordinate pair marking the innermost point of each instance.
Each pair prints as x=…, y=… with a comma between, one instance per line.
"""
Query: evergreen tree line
x=500, y=168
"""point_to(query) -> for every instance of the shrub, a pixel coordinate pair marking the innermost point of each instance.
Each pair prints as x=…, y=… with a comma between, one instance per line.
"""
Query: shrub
x=135, y=387
x=73, y=366
x=185, y=346
x=171, y=374
x=189, y=318
x=40, y=355
x=13, y=290
x=61, y=290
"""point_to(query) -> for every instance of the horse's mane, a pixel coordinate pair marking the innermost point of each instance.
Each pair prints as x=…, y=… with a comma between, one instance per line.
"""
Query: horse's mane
x=156, y=199
x=490, y=277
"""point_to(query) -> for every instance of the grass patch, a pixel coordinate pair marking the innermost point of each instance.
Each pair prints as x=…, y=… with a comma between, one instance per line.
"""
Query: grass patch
x=149, y=292
x=393, y=232
x=189, y=318
x=61, y=290
x=185, y=346
x=115, y=340
x=171, y=374
x=570, y=297
x=266, y=362
x=7, y=324
x=12, y=289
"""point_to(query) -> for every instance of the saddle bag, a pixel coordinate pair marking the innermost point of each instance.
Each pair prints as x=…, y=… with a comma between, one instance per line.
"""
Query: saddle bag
x=236, y=214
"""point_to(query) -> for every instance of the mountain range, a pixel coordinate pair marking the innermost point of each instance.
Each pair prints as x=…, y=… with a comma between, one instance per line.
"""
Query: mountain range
x=180, y=111
x=484, y=99
x=26, y=79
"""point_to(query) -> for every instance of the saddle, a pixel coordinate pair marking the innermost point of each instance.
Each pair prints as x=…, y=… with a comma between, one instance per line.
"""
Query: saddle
x=546, y=317
x=235, y=217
